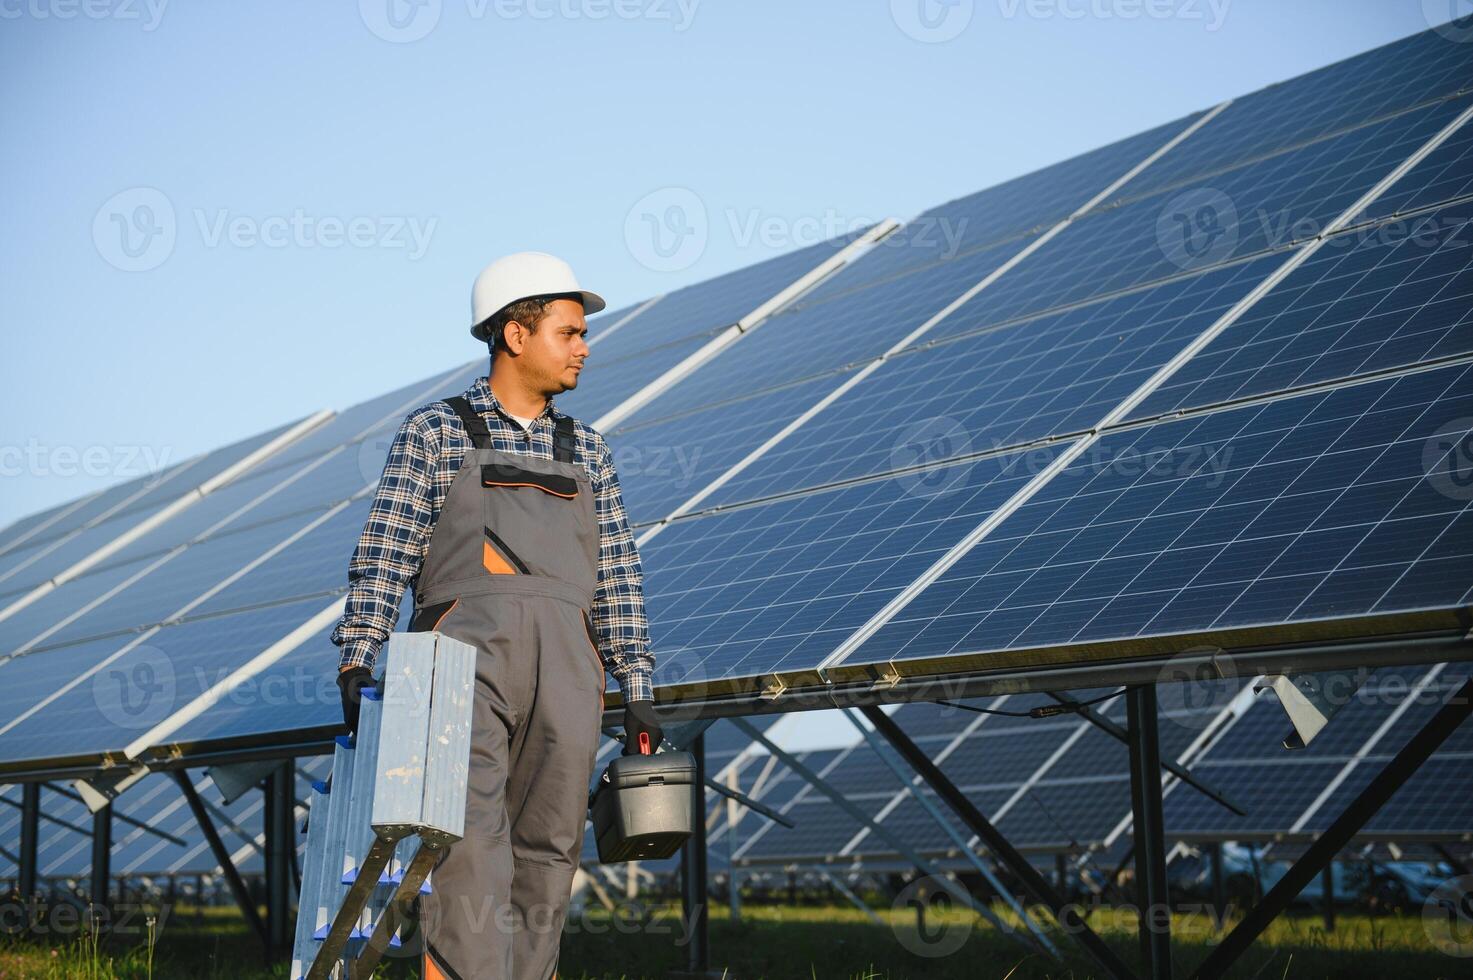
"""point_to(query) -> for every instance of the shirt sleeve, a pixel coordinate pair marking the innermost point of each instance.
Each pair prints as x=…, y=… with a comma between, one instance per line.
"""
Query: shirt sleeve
x=618, y=599
x=391, y=549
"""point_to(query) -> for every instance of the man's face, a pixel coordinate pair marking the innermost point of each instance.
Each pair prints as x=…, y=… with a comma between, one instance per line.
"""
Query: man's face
x=553, y=355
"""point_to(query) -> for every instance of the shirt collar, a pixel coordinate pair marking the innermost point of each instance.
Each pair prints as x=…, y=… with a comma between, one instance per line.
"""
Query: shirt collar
x=483, y=400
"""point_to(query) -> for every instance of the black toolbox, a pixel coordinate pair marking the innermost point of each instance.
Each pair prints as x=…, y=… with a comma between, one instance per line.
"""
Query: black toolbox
x=642, y=806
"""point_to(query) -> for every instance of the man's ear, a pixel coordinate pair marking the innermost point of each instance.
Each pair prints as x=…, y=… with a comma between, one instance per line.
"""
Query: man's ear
x=513, y=337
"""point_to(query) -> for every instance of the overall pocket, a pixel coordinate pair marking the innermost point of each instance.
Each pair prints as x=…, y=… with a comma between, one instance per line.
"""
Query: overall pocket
x=427, y=619
x=598, y=660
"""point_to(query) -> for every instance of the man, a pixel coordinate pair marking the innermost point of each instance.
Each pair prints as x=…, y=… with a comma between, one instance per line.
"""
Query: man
x=505, y=517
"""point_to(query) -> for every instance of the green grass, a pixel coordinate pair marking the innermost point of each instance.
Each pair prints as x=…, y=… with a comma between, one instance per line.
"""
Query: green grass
x=777, y=942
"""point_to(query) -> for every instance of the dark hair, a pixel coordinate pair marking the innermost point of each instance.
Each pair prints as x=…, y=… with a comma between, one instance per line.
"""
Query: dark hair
x=528, y=312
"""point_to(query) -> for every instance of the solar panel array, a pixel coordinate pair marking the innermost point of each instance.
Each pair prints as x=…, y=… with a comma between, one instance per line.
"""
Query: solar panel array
x=1299, y=793
x=1180, y=386
x=1050, y=785
x=169, y=842
x=1061, y=785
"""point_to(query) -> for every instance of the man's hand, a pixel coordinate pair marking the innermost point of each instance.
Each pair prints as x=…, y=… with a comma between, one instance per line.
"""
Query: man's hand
x=351, y=683
x=639, y=718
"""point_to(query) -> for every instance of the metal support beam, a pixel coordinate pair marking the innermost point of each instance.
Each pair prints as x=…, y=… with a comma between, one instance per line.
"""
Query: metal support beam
x=1179, y=771
x=102, y=856
x=934, y=811
x=30, y=820
x=1033, y=882
x=693, y=867
x=121, y=817
x=1219, y=887
x=733, y=879
x=1327, y=905
x=1150, y=833
x=75, y=828
x=735, y=796
x=925, y=867
x=280, y=842
x=1380, y=789
x=222, y=857
x=1459, y=868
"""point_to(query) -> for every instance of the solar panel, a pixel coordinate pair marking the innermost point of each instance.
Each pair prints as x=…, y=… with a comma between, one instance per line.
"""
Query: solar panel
x=158, y=597
x=1011, y=211
x=114, y=511
x=1294, y=511
x=705, y=308
x=1415, y=70
x=776, y=585
x=149, y=592
x=1370, y=300
x=1267, y=203
x=664, y=332
x=1045, y=376
x=359, y=421
x=296, y=697
x=25, y=528
x=1303, y=790
x=822, y=336
x=101, y=705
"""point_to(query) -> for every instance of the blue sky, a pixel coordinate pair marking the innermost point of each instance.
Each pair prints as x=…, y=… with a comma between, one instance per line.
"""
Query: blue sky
x=337, y=172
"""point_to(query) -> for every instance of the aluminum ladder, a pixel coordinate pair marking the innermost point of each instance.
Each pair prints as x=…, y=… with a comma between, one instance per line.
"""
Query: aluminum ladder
x=401, y=780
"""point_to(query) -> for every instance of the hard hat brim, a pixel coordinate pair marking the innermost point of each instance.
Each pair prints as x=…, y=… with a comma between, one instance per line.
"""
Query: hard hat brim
x=592, y=303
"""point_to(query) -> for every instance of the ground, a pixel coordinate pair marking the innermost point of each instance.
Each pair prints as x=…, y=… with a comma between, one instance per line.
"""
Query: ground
x=779, y=942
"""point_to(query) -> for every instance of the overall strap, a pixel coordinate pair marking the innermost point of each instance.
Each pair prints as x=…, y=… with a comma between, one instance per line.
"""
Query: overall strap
x=475, y=426
x=564, y=444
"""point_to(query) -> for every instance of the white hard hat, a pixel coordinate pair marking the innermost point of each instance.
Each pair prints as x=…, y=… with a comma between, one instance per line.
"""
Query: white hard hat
x=521, y=276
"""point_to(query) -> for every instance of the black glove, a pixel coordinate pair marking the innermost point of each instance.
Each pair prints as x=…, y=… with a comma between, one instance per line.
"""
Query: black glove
x=639, y=717
x=351, y=683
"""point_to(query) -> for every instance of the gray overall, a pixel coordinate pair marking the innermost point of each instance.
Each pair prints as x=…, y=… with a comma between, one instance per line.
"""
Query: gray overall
x=511, y=568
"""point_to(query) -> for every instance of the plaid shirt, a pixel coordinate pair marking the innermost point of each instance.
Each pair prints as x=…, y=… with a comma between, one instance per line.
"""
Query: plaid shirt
x=422, y=463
